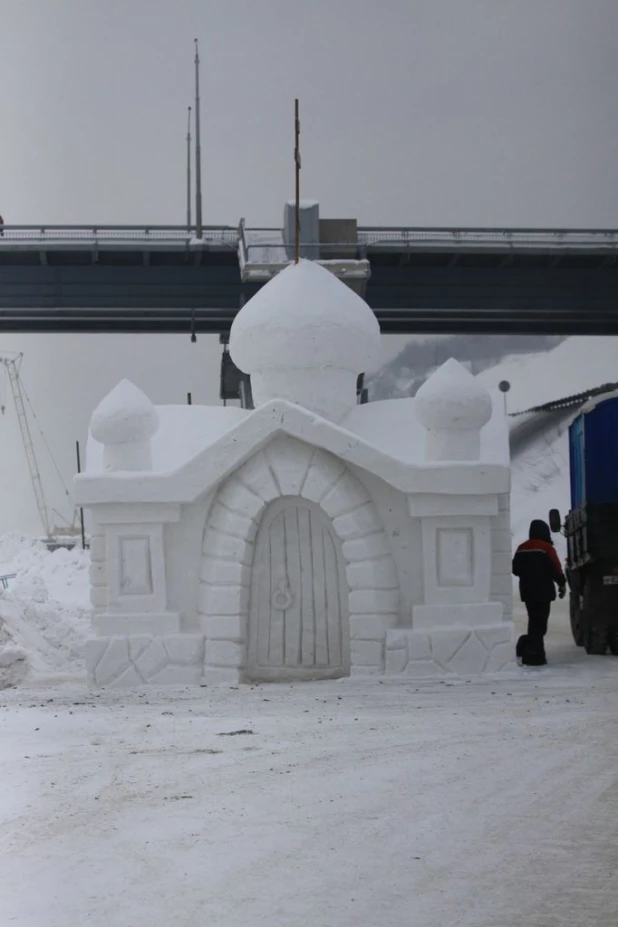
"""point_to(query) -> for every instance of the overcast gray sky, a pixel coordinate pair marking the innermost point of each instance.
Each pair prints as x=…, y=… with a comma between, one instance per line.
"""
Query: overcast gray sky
x=413, y=112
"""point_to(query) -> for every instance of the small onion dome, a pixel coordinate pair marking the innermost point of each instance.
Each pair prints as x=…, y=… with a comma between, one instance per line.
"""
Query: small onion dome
x=125, y=416
x=453, y=406
x=305, y=337
x=452, y=399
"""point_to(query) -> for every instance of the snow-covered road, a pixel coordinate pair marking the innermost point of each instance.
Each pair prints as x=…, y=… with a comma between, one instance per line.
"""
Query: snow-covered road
x=351, y=804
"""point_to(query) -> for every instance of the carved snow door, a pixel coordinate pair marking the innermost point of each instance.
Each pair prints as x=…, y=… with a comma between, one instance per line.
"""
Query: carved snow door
x=298, y=612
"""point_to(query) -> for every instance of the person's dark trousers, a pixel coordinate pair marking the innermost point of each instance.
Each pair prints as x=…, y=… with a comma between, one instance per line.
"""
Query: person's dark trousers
x=538, y=616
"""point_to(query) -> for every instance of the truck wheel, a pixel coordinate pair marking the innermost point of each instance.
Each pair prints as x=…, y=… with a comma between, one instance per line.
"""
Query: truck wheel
x=596, y=640
x=612, y=640
x=575, y=615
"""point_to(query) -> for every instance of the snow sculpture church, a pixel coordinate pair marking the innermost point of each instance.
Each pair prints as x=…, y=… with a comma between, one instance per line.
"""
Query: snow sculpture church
x=308, y=538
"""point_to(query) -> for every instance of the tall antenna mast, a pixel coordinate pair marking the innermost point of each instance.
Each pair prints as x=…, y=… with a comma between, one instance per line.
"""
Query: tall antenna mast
x=189, y=170
x=297, y=173
x=198, y=149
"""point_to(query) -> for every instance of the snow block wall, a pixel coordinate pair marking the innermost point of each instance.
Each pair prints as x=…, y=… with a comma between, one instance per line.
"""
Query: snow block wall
x=502, y=555
x=310, y=538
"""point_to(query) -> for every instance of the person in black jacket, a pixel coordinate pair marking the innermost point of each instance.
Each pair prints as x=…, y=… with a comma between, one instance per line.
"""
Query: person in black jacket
x=538, y=567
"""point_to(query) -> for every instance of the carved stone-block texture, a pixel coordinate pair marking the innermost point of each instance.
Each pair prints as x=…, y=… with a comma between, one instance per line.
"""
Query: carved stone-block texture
x=135, y=660
x=458, y=651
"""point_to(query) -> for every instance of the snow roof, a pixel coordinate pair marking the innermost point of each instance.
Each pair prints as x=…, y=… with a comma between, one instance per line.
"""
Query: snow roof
x=391, y=424
x=198, y=446
x=183, y=432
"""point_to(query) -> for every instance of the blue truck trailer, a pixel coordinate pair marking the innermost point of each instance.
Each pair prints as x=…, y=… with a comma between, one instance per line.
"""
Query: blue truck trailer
x=591, y=526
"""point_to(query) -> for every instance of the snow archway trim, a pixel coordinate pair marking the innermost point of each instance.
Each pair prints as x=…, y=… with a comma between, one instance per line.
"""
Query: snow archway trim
x=287, y=468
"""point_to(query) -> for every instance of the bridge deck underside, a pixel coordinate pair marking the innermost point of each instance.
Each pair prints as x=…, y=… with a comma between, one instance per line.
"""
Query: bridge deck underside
x=177, y=289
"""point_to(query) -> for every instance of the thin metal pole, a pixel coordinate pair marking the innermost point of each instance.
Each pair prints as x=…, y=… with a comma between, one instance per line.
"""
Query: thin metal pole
x=297, y=180
x=198, y=148
x=81, y=511
x=189, y=171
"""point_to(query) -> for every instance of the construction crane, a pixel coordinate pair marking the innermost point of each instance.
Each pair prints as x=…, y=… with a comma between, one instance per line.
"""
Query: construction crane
x=12, y=367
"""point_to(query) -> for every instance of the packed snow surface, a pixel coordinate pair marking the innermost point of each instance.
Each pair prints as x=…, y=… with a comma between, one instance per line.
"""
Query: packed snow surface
x=338, y=804
x=44, y=612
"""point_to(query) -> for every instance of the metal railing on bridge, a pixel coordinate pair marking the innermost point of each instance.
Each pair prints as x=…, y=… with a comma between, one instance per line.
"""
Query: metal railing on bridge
x=262, y=244
x=88, y=235
x=488, y=238
x=262, y=241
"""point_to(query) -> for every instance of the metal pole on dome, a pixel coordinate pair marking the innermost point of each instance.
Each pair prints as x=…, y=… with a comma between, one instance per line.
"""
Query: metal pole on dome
x=198, y=148
x=297, y=175
x=189, y=171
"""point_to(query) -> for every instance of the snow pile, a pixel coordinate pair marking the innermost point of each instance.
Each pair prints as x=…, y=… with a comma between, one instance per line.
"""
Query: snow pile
x=540, y=470
x=540, y=481
x=422, y=355
x=576, y=365
x=44, y=612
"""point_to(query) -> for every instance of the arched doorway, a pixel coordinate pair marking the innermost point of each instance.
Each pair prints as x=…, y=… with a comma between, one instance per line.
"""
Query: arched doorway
x=298, y=608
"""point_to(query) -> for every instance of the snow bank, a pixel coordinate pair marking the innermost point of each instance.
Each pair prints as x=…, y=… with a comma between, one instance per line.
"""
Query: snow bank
x=540, y=471
x=44, y=613
x=575, y=365
x=540, y=482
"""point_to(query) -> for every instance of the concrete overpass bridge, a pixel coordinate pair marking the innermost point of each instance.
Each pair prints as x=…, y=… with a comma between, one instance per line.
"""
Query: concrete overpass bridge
x=418, y=280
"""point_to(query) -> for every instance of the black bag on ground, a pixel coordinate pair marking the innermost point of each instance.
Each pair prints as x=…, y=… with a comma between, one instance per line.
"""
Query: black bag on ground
x=529, y=653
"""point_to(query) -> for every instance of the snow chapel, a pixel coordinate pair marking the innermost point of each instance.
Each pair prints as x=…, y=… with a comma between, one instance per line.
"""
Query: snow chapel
x=311, y=537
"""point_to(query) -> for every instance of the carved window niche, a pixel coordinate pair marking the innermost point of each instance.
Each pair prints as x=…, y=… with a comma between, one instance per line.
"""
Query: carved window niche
x=456, y=559
x=135, y=566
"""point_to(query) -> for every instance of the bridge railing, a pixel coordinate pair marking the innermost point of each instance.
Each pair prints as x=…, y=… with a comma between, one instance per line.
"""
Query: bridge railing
x=50, y=234
x=266, y=245
x=375, y=237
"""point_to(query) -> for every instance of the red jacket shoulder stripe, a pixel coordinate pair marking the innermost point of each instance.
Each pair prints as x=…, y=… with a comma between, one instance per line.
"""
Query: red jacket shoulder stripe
x=542, y=547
